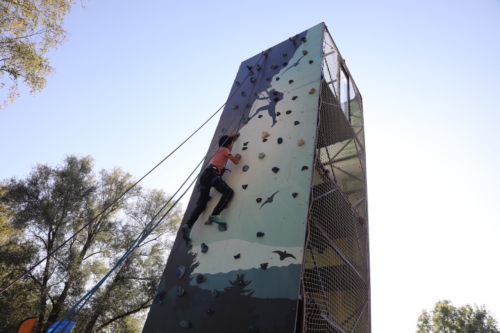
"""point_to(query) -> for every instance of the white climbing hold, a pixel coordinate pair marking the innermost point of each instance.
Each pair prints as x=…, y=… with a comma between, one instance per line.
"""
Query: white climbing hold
x=262, y=155
x=265, y=135
x=312, y=91
x=301, y=142
x=304, y=52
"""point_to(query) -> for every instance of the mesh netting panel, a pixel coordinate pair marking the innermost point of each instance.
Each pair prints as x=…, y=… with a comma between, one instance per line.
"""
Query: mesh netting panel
x=336, y=280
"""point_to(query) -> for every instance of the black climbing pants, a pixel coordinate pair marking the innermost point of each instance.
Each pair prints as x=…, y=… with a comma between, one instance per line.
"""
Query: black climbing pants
x=208, y=179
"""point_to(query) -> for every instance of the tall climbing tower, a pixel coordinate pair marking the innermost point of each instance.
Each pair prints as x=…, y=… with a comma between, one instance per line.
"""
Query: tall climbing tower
x=294, y=256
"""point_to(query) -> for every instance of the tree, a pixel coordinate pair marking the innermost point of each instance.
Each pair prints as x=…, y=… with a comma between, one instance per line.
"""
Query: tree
x=14, y=258
x=446, y=318
x=51, y=204
x=28, y=30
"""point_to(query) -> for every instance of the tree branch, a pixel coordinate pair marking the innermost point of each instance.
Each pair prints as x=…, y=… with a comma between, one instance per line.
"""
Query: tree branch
x=143, y=306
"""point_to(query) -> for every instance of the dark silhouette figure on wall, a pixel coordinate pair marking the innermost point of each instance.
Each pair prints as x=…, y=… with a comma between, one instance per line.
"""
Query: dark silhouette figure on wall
x=273, y=97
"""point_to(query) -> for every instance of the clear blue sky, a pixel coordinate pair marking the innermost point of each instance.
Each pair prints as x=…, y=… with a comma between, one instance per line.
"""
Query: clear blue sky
x=137, y=77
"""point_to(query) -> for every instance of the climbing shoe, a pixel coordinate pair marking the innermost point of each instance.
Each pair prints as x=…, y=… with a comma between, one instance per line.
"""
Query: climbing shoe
x=216, y=219
x=186, y=233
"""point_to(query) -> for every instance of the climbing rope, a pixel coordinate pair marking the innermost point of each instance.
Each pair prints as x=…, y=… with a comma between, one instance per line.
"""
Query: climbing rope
x=121, y=196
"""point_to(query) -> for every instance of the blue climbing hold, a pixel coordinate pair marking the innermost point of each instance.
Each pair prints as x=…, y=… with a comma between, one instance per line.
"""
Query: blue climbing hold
x=180, y=272
x=310, y=61
x=280, y=141
x=258, y=67
x=296, y=122
x=200, y=278
x=294, y=98
x=303, y=39
x=275, y=169
x=263, y=266
x=249, y=67
x=234, y=106
x=185, y=324
x=289, y=111
x=180, y=291
x=274, y=66
x=237, y=256
x=158, y=296
x=237, y=83
x=285, y=63
x=243, y=93
x=245, y=168
x=214, y=293
x=204, y=248
x=277, y=79
x=252, y=79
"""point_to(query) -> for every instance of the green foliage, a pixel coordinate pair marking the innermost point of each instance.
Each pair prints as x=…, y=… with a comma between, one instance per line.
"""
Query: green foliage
x=446, y=318
x=28, y=30
x=51, y=204
x=14, y=257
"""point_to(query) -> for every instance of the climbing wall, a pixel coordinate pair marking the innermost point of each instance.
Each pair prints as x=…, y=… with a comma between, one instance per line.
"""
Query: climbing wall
x=251, y=277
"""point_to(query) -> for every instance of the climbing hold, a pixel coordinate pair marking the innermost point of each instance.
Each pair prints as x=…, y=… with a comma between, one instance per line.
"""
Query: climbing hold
x=275, y=93
x=234, y=106
x=263, y=266
x=250, y=73
x=304, y=52
x=295, y=194
x=237, y=256
x=214, y=293
x=278, y=113
x=301, y=142
x=185, y=324
x=262, y=155
x=280, y=141
x=312, y=91
x=253, y=329
x=204, y=248
x=244, y=186
x=294, y=98
x=276, y=99
x=291, y=81
x=289, y=111
x=258, y=67
x=256, y=94
x=249, y=67
x=180, y=291
x=265, y=135
x=275, y=169
x=260, y=116
x=303, y=39
x=252, y=79
x=258, y=200
x=264, y=140
x=245, y=168
x=269, y=85
x=260, y=234
x=180, y=272
x=268, y=78
x=245, y=143
x=273, y=66
x=305, y=167
x=243, y=93
x=210, y=311
x=245, y=119
x=237, y=83
x=277, y=79
x=249, y=105
x=189, y=243
x=296, y=122
x=285, y=63
x=285, y=55
x=200, y=278
x=310, y=61
x=244, y=148
x=158, y=296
